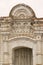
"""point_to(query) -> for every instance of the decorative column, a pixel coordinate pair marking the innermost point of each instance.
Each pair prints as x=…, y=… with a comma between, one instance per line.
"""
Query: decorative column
x=39, y=50
x=5, y=51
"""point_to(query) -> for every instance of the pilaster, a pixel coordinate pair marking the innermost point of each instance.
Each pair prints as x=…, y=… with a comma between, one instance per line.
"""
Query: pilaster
x=39, y=50
x=5, y=51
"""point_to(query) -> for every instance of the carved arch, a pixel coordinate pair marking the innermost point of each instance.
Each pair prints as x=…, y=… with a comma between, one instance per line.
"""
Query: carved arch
x=22, y=11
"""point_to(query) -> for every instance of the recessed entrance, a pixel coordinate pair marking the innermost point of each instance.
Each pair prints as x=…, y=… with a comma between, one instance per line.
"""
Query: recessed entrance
x=22, y=56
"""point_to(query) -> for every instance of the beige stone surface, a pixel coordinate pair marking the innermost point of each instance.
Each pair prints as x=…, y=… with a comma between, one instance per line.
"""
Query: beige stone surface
x=21, y=29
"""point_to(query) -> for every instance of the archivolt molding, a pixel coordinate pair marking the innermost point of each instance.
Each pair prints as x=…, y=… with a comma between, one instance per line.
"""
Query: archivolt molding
x=21, y=22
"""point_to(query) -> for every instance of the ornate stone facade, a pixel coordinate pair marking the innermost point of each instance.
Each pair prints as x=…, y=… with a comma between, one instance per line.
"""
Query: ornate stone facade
x=21, y=29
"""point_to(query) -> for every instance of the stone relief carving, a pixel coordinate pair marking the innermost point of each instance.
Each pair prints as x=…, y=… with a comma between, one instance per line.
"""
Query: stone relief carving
x=21, y=11
x=21, y=22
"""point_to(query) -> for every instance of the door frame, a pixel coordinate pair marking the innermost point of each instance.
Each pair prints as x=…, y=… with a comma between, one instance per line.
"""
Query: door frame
x=23, y=42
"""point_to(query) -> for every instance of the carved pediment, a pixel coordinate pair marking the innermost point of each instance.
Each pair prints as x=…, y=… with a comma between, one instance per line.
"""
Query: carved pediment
x=21, y=22
x=22, y=11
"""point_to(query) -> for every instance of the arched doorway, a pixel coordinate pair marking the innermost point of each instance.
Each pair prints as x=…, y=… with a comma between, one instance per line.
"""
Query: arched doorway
x=22, y=56
x=17, y=46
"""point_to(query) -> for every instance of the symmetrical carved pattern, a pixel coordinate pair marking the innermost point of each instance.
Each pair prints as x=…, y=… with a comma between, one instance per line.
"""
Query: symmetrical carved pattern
x=22, y=11
x=21, y=22
x=21, y=27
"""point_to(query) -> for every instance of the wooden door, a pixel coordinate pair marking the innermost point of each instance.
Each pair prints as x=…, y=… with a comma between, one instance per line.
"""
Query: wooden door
x=22, y=56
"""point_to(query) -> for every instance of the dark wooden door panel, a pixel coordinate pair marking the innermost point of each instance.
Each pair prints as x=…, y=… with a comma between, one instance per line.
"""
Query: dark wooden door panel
x=22, y=56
